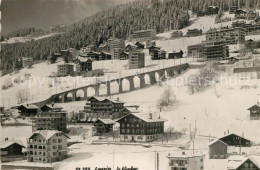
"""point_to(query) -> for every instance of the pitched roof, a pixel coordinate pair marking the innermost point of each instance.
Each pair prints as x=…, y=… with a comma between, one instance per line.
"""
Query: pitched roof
x=144, y=117
x=230, y=135
x=103, y=99
x=29, y=106
x=83, y=59
x=236, y=161
x=216, y=140
x=254, y=106
x=6, y=143
x=107, y=121
x=47, y=134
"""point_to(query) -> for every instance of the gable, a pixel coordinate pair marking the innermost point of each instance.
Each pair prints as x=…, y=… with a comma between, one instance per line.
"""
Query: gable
x=248, y=164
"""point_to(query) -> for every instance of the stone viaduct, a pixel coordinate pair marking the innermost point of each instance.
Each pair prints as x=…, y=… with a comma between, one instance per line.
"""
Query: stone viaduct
x=62, y=97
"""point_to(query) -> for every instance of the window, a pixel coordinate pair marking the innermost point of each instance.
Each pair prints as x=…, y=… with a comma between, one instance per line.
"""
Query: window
x=126, y=137
x=54, y=153
x=54, y=140
x=59, y=140
x=127, y=130
x=127, y=125
x=137, y=125
x=123, y=130
x=54, y=147
x=201, y=160
x=140, y=137
x=60, y=147
x=123, y=125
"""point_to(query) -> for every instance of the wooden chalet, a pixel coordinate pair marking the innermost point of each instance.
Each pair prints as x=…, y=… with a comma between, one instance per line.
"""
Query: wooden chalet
x=218, y=149
x=27, y=110
x=11, y=150
x=152, y=48
x=93, y=55
x=104, y=125
x=138, y=127
x=175, y=55
x=105, y=56
x=139, y=45
x=212, y=10
x=124, y=56
x=240, y=14
x=130, y=47
x=254, y=112
x=241, y=162
x=200, y=13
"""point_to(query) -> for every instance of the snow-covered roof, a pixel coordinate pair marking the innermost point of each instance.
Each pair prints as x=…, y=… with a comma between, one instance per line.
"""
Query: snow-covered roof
x=104, y=98
x=217, y=140
x=254, y=106
x=78, y=130
x=145, y=117
x=235, y=161
x=29, y=106
x=6, y=143
x=47, y=134
x=107, y=121
x=83, y=59
x=189, y=155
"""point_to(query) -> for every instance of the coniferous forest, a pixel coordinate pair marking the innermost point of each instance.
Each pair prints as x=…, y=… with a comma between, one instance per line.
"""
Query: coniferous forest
x=123, y=19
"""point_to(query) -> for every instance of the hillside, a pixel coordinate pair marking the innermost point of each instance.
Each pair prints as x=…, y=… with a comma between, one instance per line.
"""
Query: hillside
x=123, y=19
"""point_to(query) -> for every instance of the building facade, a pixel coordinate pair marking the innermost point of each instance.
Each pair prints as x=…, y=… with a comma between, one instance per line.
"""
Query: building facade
x=136, y=60
x=137, y=127
x=104, y=108
x=47, y=146
x=84, y=64
x=116, y=43
x=144, y=35
x=215, y=50
x=231, y=35
x=254, y=112
x=65, y=69
x=116, y=53
x=50, y=118
x=104, y=125
x=175, y=55
x=186, y=162
x=193, y=32
x=11, y=150
x=195, y=51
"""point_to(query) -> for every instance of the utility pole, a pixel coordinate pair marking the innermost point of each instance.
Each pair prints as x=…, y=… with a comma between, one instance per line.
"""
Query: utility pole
x=113, y=159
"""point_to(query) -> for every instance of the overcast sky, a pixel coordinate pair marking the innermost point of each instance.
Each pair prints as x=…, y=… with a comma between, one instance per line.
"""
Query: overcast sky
x=44, y=13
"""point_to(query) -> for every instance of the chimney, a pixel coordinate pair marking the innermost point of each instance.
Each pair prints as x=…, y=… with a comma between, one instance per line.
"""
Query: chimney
x=150, y=116
x=52, y=104
x=227, y=131
x=258, y=103
x=6, y=138
x=183, y=153
x=224, y=133
x=117, y=99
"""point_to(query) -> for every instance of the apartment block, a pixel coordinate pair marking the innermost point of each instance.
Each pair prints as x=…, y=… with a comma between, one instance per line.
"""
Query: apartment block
x=231, y=35
x=136, y=60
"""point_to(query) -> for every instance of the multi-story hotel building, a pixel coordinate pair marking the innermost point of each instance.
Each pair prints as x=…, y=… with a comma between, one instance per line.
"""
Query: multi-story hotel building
x=47, y=146
x=140, y=127
x=231, y=35
x=185, y=162
x=65, y=69
x=116, y=43
x=215, y=49
x=144, y=35
x=105, y=108
x=136, y=60
x=50, y=118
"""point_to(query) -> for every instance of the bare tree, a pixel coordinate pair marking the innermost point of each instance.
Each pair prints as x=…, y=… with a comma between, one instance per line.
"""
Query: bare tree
x=22, y=95
x=167, y=98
